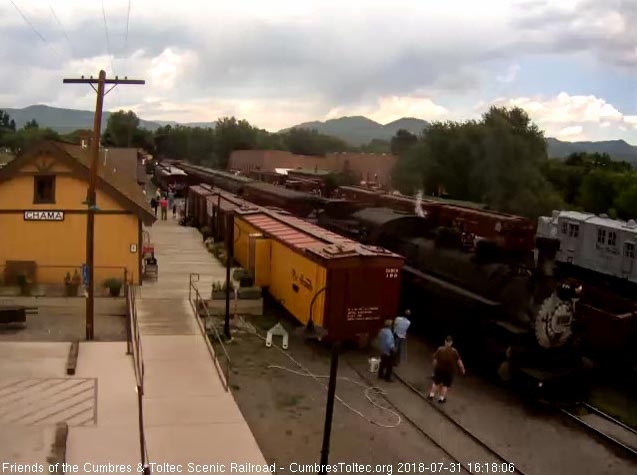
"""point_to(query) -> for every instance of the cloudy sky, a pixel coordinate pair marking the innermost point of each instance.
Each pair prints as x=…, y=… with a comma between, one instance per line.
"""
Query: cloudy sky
x=571, y=64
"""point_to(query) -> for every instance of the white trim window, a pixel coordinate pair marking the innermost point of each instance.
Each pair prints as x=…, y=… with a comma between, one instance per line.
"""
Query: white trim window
x=601, y=236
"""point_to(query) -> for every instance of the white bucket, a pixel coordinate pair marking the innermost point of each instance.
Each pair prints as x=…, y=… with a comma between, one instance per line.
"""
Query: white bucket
x=374, y=363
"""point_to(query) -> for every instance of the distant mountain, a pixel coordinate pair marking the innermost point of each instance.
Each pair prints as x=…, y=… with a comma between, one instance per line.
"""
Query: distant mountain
x=617, y=149
x=360, y=130
x=68, y=120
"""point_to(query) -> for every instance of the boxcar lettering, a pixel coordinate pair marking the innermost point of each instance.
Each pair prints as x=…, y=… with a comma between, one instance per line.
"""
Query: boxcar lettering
x=362, y=313
x=391, y=272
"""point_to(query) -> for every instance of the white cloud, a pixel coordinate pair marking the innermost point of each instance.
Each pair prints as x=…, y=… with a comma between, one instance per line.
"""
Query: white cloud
x=573, y=132
x=573, y=117
x=169, y=66
x=565, y=109
x=390, y=108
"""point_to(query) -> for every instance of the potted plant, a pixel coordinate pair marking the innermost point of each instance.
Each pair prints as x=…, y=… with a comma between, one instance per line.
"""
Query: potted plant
x=218, y=290
x=114, y=286
x=72, y=284
x=244, y=277
x=249, y=293
x=25, y=284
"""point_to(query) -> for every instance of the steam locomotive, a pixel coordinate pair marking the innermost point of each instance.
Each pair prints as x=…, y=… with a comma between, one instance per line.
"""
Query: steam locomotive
x=504, y=304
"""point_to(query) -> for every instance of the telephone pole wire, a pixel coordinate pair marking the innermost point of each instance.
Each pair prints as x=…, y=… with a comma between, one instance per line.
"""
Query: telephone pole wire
x=91, y=201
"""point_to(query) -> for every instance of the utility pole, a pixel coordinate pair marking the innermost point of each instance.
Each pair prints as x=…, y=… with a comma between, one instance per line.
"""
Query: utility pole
x=329, y=407
x=101, y=81
x=229, y=259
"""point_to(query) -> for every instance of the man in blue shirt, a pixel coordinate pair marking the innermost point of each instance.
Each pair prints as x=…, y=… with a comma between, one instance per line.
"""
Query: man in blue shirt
x=387, y=346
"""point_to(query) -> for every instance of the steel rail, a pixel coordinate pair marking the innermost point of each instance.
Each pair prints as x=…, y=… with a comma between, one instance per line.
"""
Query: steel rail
x=465, y=431
x=632, y=451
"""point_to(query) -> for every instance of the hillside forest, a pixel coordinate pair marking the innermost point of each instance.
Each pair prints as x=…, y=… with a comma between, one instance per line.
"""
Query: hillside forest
x=500, y=160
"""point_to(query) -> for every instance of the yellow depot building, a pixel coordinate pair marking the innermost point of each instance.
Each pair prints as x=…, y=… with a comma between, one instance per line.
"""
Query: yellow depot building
x=43, y=216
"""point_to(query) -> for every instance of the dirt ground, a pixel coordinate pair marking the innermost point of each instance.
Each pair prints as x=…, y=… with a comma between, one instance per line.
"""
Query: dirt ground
x=286, y=411
x=64, y=319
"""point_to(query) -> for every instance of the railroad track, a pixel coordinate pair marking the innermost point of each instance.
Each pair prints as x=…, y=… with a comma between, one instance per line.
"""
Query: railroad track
x=605, y=427
x=455, y=440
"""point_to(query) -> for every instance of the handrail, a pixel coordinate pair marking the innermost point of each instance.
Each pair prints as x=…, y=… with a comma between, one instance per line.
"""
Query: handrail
x=134, y=347
x=200, y=303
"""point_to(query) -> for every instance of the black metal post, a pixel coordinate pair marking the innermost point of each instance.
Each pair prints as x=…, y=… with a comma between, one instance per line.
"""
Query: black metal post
x=217, y=234
x=229, y=257
x=142, y=438
x=329, y=408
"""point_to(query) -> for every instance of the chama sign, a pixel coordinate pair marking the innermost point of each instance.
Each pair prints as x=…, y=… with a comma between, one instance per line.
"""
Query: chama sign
x=44, y=215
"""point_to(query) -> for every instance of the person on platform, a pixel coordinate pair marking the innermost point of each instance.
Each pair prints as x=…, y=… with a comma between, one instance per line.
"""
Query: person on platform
x=163, y=203
x=387, y=346
x=174, y=210
x=401, y=324
x=153, y=204
x=171, y=197
x=446, y=361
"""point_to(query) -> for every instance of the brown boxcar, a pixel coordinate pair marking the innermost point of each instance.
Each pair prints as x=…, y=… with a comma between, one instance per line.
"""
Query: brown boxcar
x=340, y=285
x=196, y=203
x=265, y=194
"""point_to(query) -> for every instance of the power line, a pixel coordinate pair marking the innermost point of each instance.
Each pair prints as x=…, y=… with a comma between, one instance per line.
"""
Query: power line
x=127, y=21
x=38, y=34
x=108, y=43
x=61, y=26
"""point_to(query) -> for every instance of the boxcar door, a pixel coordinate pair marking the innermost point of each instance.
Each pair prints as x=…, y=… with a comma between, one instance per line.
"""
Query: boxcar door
x=628, y=260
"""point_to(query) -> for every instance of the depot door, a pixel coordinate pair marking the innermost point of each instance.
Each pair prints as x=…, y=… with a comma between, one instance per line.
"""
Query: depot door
x=628, y=260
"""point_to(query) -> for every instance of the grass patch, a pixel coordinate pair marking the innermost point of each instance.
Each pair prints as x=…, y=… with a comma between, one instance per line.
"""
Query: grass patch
x=288, y=400
x=621, y=405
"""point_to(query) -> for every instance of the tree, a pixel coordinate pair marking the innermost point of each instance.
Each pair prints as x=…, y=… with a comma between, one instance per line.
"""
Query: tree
x=496, y=160
x=598, y=191
x=311, y=142
x=232, y=134
x=402, y=141
x=122, y=129
x=626, y=201
x=32, y=124
x=376, y=146
x=25, y=137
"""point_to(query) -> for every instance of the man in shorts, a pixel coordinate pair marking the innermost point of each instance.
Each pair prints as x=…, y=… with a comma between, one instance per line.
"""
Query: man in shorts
x=446, y=360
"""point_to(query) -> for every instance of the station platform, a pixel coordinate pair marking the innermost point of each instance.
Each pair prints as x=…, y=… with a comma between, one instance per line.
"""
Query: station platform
x=188, y=415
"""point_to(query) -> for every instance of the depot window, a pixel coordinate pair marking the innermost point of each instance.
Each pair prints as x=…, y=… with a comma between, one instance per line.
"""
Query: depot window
x=612, y=238
x=43, y=189
x=629, y=250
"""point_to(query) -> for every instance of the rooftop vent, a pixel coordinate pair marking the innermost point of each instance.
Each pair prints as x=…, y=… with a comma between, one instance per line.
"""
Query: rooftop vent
x=631, y=223
x=339, y=249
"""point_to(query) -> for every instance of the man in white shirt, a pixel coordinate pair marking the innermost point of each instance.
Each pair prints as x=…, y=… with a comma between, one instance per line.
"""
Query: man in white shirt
x=401, y=324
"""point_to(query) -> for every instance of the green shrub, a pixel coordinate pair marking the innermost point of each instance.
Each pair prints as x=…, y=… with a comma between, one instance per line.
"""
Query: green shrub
x=113, y=283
